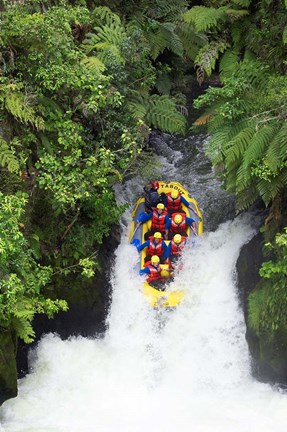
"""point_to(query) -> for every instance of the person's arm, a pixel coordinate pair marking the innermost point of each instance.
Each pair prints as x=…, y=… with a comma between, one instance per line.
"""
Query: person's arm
x=144, y=245
x=190, y=206
x=167, y=226
x=143, y=217
x=145, y=271
x=191, y=222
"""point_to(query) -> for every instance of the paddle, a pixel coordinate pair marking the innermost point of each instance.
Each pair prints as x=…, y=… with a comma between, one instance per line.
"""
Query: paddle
x=194, y=232
x=137, y=227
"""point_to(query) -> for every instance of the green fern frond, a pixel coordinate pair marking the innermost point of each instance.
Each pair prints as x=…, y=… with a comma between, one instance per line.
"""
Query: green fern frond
x=107, y=41
x=104, y=14
x=246, y=198
x=215, y=122
x=93, y=63
x=163, y=10
x=138, y=109
x=268, y=189
x=7, y=158
x=19, y=106
x=161, y=36
x=242, y=3
x=174, y=41
x=204, y=18
x=192, y=41
x=163, y=83
x=235, y=13
x=23, y=329
x=216, y=144
x=239, y=144
x=277, y=150
x=162, y=114
x=284, y=35
x=259, y=143
x=235, y=129
x=228, y=64
x=254, y=72
x=243, y=177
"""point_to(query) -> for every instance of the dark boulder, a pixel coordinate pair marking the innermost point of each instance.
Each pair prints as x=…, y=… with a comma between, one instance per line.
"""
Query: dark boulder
x=8, y=371
x=269, y=354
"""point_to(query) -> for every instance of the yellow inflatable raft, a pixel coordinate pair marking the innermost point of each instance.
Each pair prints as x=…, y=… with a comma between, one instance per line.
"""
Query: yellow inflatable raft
x=167, y=298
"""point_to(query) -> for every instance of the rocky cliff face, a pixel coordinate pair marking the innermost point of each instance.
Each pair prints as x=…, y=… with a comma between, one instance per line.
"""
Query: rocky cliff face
x=8, y=370
x=269, y=355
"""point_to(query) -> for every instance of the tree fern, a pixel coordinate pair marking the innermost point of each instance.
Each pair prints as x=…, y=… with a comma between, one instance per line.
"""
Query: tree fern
x=7, y=157
x=107, y=41
x=204, y=18
x=162, y=114
x=103, y=14
x=277, y=151
x=259, y=143
x=269, y=188
x=246, y=198
x=165, y=10
x=192, y=40
x=163, y=83
x=161, y=36
x=20, y=107
x=228, y=64
x=254, y=72
x=239, y=144
x=93, y=63
x=137, y=108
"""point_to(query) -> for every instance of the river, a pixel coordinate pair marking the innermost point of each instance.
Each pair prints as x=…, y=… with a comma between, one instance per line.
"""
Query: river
x=185, y=370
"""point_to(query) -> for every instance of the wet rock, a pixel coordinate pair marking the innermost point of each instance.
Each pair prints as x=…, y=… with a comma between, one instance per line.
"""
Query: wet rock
x=8, y=371
x=269, y=354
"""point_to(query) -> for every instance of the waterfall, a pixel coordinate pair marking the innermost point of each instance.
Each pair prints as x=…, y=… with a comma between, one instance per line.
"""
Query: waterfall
x=186, y=370
x=183, y=370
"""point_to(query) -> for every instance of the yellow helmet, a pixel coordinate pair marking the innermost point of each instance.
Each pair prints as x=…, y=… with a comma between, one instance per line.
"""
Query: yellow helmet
x=177, y=238
x=178, y=219
x=174, y=194
x=157, y=235
x=160, y=206
x=154, y=259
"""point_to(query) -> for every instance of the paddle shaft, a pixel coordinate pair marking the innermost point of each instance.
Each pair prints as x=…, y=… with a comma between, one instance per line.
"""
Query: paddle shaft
x=137, y=227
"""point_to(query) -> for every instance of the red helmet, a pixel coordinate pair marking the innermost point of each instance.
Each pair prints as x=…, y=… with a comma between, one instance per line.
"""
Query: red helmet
x=155, y=185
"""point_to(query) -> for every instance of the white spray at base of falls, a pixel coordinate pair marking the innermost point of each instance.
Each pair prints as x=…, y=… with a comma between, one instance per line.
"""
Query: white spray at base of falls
x=186, y=370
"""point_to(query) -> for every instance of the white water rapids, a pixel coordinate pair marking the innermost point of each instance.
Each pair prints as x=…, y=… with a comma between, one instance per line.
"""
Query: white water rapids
x=186, y=370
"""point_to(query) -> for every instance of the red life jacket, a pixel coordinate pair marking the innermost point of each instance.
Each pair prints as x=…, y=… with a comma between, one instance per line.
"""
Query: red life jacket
x=155, y=248
x=158, y=220
x=176, y=248
x=178, y=228
x=154, y=273
x=173, y=204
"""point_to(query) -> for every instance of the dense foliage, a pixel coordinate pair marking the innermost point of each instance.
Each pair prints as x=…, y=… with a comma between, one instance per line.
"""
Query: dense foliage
x=21, y=276
x=80, y=87
x=246, y=117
